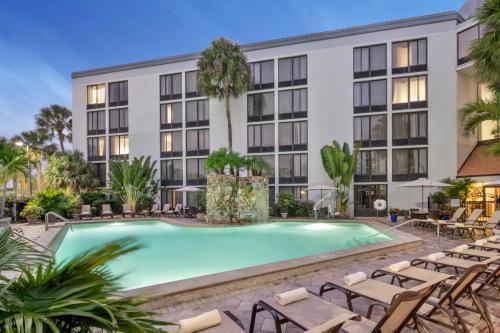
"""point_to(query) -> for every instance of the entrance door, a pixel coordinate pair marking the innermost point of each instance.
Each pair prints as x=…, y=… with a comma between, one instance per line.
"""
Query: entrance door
x=365, y=196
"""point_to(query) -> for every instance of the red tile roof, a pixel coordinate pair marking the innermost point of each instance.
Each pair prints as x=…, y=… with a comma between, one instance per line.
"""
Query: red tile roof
x=480, y=163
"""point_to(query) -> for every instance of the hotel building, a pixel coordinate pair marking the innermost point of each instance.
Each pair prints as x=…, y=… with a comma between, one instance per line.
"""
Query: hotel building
x=394, y=88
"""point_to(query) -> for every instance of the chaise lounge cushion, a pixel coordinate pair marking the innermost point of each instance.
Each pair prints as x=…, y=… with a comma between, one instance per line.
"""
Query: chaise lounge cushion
x=226, y=326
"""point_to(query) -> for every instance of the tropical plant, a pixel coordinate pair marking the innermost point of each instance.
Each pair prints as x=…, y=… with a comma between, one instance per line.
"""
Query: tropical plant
x=53, y=200
x=201, y=199
x=70, y=170
x=459, y=189
x=285, y=201
x=77, y=295
x=440, y=198
x=135, y=183
x=218, y=160
x=56, y=120
x=38, y=148
x=256, y=165
x=340, y=165
x=223, y=72
x=12, y=166
x=31, y=212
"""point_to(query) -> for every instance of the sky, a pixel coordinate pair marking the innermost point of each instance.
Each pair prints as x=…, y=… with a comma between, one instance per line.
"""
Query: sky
x=43, y=42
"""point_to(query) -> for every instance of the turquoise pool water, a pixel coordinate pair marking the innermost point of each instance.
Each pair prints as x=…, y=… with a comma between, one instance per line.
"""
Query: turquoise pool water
x=174, y=253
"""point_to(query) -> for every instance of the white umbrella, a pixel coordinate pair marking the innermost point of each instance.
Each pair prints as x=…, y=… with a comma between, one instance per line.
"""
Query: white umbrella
x=424, y=182
x=187, y=189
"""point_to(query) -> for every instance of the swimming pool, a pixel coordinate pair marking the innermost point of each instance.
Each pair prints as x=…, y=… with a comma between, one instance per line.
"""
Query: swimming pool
x=174, y=252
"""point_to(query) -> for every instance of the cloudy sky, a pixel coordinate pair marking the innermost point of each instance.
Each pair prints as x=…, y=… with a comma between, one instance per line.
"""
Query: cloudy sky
x=42, y=42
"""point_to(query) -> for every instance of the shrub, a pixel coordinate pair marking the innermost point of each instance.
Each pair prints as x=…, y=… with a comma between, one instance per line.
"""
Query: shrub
x=53, y=200
x=440, y=198
x=88, y=198
x=115, y=203
x=304, y=208
x=32, y=212
x=21, y=202
x=285, y=202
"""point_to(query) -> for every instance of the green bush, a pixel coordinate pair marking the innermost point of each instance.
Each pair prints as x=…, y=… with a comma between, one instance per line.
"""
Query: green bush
x=88, y=198
x=32, y=212
x=53, y=200
x=21, y=202
x=303, y=208
x=285, y=202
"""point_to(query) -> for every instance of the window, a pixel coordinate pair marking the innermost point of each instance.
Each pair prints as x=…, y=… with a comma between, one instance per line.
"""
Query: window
x=171, y=144
x=372, y=166
x=100, y=173
x=96, y=122
x=365, y=196
x=409, y=56
x=299, y=192
x=292, y=104
x=269, y=174
x=370, y=96
x=118, y=146
x=409, y=128
x=196, y=173
x=262, y=74
x=170, y=86
x=198, y=142
x=118, y=120
x=118, y=93
x=192, y=84
x=171, y=197
x=293, y=168
x=260, y=107
x=370, y=131
x=409, y=164
x=96, y=148
x=293, y=136
x=464, y=40
x=260, y=138
x=197, y=113
x=370, y=61
x=170, y=115
x=292, y=71
x=409, y=92
x=171, y=172
x=96, y=96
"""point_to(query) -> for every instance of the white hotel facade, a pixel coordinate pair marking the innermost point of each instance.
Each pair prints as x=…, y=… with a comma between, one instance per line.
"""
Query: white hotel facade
x=393, y=87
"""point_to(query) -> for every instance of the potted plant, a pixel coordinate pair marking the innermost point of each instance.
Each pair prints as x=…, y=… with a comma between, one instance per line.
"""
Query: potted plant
x=285, y=202
x=32, y=213
x=446, y=211
x=75, y=213
x=393, y=212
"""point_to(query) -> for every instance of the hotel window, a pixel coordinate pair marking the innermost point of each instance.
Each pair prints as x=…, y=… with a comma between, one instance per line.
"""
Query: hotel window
x=118, y=93
x=370, y=96
x=293, y=168
x=409, y=164
x=464, y=40
x=260, y=138
x=118, y=146
x=409, y=56
x=409, y=128
x=370, y=131
x=292, y=104
x=409, y=92
x=372, y=166
x=197, y=113
x=96, y=122
x=96, y=96
x=170, y=115
x=198, y=142
x=171, y=197
x=171, y=144
x=96, y=148
x=118, y=120
x=171, y=172
x=299, y=192
x=269, y=174
x=262, y=74
x=100, y=173
x=170, y=86
x=293, y=136
x=365, y=196
x=192, y=84
x=370, y=61
x=196, y=173
x=292, y=71
x=260, y=107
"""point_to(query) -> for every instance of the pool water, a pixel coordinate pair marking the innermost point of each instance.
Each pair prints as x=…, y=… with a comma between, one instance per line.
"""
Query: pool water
x=174, y=252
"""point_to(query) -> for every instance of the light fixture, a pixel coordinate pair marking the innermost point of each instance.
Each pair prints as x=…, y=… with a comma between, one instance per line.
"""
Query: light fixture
x=19, y=143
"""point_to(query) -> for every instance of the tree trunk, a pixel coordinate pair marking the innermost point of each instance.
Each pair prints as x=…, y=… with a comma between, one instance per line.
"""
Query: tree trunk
x=2, y=200
x=39, y=179
x=228, y=118
x=61, y=141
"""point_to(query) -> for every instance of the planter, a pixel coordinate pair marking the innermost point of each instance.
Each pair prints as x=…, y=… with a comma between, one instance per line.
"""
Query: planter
x=284, y=215
x=76, y=216
x=445, y=216
x=394, y=218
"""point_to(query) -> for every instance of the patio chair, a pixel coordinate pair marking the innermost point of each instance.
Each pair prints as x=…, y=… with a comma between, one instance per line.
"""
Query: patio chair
x=410, y=273
x=154, y=210
x=449, y=263
x=86, y=212
x=106, y=211
x=311, y=314
x=487, y=246
x=127, y=211
x=491, y=224
x=462, y=228
x=229, y=323
x=457, y=217
x=178, y=210
x=469, y=254
x=167, y=211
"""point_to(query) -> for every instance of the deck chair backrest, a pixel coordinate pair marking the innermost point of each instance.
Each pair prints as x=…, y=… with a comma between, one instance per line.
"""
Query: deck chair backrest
x=178, y=207
x=403, y=307
x=472, y=218
x=86, y=209
x=166, y=207
x=106, y=207
x=126, y=207
x=463, y=283
x=155, y=207
x=494, y=219
x=458, y=214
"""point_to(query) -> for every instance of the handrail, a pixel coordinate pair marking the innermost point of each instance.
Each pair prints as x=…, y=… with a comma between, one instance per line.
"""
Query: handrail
x=34, y=242
x=59, y=217
x=391, y=228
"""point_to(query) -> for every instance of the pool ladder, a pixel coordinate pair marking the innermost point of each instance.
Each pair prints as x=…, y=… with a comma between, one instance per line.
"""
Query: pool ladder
x=57, y=216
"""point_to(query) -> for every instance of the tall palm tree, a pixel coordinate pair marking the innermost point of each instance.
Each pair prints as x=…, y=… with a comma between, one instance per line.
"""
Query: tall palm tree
x=38, y=147
x=12, y=166
x=56, y=120
x=223, y=72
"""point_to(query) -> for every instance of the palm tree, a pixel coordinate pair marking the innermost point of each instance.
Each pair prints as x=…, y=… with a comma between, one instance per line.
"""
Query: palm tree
x=38, y=147
x=223, y=72
x=256, y=165
x=12, y=166
x=56, y=120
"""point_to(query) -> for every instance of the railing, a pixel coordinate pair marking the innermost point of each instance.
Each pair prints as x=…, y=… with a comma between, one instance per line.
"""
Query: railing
x=59, y=217
x=391, y=228
x=35, y=242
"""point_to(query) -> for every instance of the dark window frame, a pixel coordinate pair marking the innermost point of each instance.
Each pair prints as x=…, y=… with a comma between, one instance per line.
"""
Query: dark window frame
x=410, y=104
x=411, y=68
x=118, y=129
x=118, y=156
x=198, y=122
x=173, y=153
x=192, y=94
x=201, y=172
x=293, y=146
x=91, y=106
x=261, y=117
x=370, y=142
x=97, y=131
x=410, y=176
x=369, y=72
x=369, y=107
x=171, y=96
x=198, y=152
x=293, y=179
x=170, y=164
x=369, y=188
x=293, y=82
x=172, y=125
x=120, y=102
x=466, y=59
x=261, y=86
x=99, y=174
x=411, y=140
x=261, y=148
x=293, y=114
x=360, y=177
x=90, y=153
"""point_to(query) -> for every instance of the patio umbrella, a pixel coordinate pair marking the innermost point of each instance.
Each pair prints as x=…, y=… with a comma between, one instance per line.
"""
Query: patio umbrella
x=424, y=182
x=187, y=189
x=321, y=188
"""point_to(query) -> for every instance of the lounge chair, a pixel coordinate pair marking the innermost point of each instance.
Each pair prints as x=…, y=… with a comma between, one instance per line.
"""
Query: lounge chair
x=178, y=210
x=127, y=211
x=488, y=246
x=106, y=211
x=167, y=211
x=449, y=262
x=86, y=212
x=479, y=255
x=491, y=224
x=229, y=324
x=462, y=228
x=313, y=314
x=457, y=217
x=411, y=273
x=155, y=211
